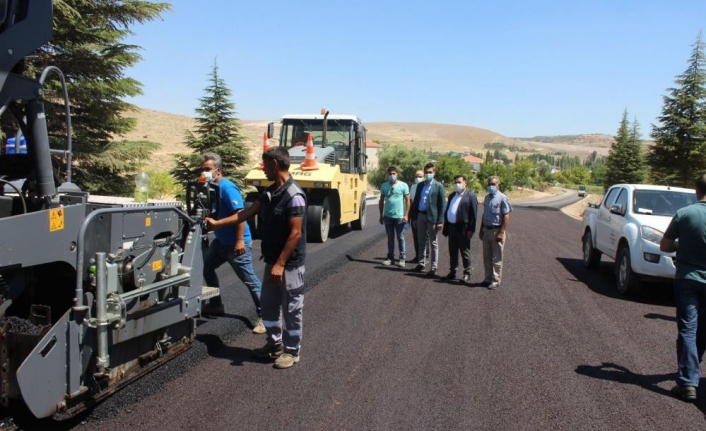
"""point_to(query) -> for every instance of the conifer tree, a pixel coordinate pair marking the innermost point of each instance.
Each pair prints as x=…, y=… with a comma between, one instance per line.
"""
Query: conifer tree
x=87, y=45
x=679, y=153
x=217, y=131
x=625, y=161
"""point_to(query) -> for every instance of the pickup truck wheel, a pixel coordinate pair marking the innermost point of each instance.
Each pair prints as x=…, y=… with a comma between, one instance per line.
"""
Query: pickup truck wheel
x=627, y=282
x=591, y=256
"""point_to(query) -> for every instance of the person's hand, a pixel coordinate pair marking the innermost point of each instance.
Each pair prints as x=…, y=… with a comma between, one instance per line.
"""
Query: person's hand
x=276, y=274
x=500, y=237
x=211, y=224
x=480, y=235
x=405, y=219
x=380, y=219
x=439, y=226
x=239, y=247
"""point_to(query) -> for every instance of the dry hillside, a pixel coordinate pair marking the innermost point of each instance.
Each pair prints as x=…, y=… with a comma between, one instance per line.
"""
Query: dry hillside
x=169, y=131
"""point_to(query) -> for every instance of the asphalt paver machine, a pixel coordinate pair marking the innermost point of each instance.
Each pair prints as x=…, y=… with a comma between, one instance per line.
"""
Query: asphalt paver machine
x=94, y=291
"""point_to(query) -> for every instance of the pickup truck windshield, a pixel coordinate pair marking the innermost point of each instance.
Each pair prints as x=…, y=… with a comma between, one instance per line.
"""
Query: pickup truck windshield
x=660, y=202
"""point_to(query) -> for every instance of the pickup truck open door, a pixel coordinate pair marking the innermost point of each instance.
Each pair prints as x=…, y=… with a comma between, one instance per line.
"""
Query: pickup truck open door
x=603, y=223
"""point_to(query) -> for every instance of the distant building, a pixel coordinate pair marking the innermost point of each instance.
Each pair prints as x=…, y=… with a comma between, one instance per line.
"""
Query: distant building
x=474, y=161
x=372, y=149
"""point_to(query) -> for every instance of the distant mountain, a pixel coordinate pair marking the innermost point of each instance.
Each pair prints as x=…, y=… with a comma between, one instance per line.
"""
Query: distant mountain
x=169, y=131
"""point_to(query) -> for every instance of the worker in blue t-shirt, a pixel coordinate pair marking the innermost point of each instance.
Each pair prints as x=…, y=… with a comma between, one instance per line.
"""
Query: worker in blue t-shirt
x=233, y=244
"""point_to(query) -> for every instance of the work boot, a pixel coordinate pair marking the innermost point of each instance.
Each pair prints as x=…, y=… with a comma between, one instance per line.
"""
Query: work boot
x=259, y=328
x=684, y=393
x=211, y=309
x=287, y=360
x=268, y=351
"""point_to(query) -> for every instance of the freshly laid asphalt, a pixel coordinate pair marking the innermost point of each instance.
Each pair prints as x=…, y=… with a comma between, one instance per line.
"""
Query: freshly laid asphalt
x=554, y=347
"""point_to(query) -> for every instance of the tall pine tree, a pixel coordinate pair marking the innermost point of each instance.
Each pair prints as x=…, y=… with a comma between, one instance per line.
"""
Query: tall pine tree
x=625, y=162
x=679, y=153
x=87, y=46
x=217, y=131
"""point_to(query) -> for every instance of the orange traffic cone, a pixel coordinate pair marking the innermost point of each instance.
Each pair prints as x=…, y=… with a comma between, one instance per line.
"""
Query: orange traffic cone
x=265, y=147
x=309, y=163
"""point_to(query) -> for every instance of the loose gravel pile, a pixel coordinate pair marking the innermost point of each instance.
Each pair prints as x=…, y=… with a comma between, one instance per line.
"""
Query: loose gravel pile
x=18, y=325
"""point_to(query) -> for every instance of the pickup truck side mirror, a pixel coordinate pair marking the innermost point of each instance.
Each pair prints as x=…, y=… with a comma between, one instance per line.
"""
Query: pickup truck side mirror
x=617, y=209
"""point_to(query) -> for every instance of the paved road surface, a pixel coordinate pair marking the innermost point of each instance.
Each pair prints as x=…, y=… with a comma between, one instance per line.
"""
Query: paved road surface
x=554, y=202
x=553, y=348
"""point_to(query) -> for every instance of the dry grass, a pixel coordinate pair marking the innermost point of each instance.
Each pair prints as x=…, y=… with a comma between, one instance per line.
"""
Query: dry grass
x=577, y=209
x=169, y=130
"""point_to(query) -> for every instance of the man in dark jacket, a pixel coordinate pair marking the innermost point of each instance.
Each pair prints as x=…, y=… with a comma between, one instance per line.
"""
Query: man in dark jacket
x=459, y=227
x=427, y=213
x=283, y=209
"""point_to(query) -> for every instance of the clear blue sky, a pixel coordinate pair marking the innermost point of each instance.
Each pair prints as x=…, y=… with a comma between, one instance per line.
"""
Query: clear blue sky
x=519, y=68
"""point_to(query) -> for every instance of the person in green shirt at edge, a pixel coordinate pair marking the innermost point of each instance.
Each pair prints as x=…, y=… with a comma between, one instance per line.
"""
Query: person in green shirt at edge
x=394, y=213
x=689, y=227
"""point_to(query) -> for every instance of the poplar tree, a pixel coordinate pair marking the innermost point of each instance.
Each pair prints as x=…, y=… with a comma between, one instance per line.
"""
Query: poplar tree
x=679, y=153
x=217, y=131
x=87, y=45
x=625, y=161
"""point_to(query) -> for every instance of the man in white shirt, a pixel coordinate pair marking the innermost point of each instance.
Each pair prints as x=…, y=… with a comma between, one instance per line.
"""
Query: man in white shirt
x=459, y=227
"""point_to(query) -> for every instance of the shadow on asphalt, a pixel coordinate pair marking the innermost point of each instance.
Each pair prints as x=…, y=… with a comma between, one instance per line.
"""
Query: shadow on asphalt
x=22, y=419
x=378, y=264
x=216, y=349
x=619, y=374
x=602, y=281
x=206, y=318
x=377, y=261
x=655, y=316
x=339, y=231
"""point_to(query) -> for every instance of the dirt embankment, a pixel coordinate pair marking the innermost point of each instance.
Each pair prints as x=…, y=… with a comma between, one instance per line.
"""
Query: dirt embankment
x=576, y=209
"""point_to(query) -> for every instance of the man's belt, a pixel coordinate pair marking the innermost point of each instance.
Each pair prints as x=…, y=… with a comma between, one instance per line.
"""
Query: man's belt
x=492, y=227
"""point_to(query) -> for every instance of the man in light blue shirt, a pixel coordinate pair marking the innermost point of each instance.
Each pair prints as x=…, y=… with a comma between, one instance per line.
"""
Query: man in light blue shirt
x=394, y=213
x=496, y=215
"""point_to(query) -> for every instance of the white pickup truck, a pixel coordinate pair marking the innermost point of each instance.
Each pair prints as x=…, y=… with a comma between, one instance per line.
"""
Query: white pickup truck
x=627, y=226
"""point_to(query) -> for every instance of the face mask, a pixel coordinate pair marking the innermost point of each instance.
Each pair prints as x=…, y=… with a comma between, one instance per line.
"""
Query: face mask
x=417, y=180
x=459, y=187
x=429, y=177
x=208, y=175
x=492, y=190
x=393, y=178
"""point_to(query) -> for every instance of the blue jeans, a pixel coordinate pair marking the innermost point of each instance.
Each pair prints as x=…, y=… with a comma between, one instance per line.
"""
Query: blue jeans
x=395, y=226
x=691, y=324
x=218, y=254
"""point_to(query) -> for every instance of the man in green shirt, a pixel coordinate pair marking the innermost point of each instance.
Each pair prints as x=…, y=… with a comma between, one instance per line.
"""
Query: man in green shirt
x=394, y=213
x=689, y=227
